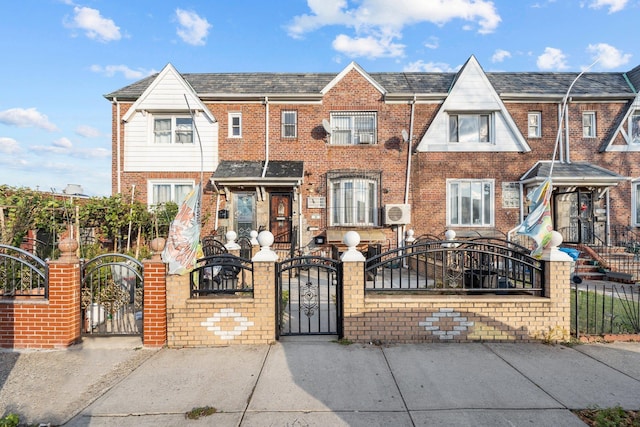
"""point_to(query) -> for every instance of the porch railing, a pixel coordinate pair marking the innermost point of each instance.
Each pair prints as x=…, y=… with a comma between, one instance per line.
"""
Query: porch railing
x=620, y=257
x=221, y=274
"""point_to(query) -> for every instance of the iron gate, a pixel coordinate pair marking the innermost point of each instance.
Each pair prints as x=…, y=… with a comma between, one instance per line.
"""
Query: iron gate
x=111, y=295
x=309, y=296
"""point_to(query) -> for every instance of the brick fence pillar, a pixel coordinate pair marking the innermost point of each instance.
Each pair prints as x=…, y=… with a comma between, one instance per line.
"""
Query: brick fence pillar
x=352, y=287
x=557, y=288
x=62, y=324
x=155, y=298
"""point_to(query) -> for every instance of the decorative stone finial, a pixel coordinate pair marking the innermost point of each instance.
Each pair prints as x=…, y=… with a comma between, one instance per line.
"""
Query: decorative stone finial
x=352, y=239
x=157, y=246
x=231, y=237
x=410, y=238
x=68, y=249
x=254, y=234
x=265, y=240
x=450, y=235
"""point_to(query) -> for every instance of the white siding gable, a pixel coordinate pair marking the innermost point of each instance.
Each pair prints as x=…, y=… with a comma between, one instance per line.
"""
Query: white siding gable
x=169, y=94
x=473, y=93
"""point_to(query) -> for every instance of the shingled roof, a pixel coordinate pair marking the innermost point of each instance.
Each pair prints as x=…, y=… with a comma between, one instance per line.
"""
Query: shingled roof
x=265, y=84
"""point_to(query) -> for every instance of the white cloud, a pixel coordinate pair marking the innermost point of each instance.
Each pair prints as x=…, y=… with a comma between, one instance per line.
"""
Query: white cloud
x=613, y=5
x=609, y=56
x=25, y=118
x=384, y=20
x=63, y=143
x=9, y=146
x=128, y=73
x=429, y=67
x=369, y=47
x=432, y=43
x=192, y=29
x=500, y=55
x=94, y=25
x=552, y=59
x=87, y=131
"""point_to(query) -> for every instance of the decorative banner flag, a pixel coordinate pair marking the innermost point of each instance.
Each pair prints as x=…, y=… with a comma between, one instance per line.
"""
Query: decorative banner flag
x=183, y=240
x=537, y=224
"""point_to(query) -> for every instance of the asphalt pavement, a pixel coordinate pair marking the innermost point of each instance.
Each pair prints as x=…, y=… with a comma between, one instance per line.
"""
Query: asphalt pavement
x=318, y=382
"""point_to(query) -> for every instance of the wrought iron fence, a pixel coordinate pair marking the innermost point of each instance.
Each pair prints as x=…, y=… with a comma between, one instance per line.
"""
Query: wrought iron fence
x=620, y=257
x=463, y=266
x=112, y=295
x=605, y=308
x=22, y=274
x=221, y=274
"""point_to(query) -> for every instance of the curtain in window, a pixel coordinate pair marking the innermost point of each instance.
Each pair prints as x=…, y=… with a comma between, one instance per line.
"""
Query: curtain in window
x=161, y=193
x=184, y=130
x=162, y=131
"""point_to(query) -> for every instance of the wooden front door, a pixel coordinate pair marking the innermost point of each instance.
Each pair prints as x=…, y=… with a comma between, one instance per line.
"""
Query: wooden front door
x=280, y=216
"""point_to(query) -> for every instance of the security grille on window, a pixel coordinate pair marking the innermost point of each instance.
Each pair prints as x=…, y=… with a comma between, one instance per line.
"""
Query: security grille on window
x=470, y=202
x=469, y=128
x=177, y=130
x=354, y=199
x=351, y=128
x=289, y=124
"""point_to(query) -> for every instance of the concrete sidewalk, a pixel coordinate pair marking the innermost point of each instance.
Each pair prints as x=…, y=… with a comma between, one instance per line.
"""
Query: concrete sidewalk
x=302, y=382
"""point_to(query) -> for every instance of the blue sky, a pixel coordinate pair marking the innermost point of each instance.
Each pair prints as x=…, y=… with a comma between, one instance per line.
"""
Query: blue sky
x=62, y=56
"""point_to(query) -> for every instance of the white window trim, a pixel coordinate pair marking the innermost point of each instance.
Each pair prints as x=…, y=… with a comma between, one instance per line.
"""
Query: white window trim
x=634, y=203
x=172, y=117
x=172, y=182
x=373, y=204
x=231, y=116
x=592, y=115
x=492, y=202
x=537, y=127
x=372, y=137
x=295, y=124
x=492, y=124
x=634, y=139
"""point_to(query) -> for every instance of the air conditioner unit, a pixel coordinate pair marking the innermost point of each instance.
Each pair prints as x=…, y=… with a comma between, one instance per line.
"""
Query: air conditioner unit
x=397, y=214
x=365, y=138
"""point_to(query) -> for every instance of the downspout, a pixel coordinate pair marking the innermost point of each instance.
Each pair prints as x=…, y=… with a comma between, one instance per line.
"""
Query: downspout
x=566, y=132
x=408, y=179
x=118, y=144
x=560, y=148
x=266, y=139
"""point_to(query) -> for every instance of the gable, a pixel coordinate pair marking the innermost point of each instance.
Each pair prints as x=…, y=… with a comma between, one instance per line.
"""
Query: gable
x=169, y=92
x=352, y=66
x=472, y=93
x=627, y=134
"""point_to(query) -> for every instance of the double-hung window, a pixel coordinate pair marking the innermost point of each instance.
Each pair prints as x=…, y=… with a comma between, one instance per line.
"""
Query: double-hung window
x=161, y=192
x=470, y=202
x=353, y=200
x=466, y=128
x=289, y=124
x=353, y=127
x=235, y=125
x=172, y=130
x=589, y=124
x=635, y=203
x=634, y=127
x=534, y=120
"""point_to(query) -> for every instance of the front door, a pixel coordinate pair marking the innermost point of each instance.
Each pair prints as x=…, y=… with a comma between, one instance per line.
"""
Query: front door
x=245, y=213
x=280, y=216
x=574, y=216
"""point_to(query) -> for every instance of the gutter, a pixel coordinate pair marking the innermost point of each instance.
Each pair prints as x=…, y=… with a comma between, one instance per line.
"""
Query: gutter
x=409, y=151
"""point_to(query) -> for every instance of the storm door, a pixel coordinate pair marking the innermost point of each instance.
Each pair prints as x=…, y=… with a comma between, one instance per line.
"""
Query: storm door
x=280, y=216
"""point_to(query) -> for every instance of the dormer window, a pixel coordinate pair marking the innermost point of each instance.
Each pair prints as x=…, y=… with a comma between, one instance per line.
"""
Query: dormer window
x=466, y=128
x=172, y=130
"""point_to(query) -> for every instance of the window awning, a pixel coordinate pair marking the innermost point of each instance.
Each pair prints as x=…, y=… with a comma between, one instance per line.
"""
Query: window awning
x=232, y=173
x=579, y=174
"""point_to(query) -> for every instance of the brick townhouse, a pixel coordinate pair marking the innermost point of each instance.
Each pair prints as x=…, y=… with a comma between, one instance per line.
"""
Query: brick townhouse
x=311, y=155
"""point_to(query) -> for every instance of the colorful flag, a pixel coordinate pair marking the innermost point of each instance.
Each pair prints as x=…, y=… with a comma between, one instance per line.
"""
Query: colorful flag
x=537, y=224
x=183, y=240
